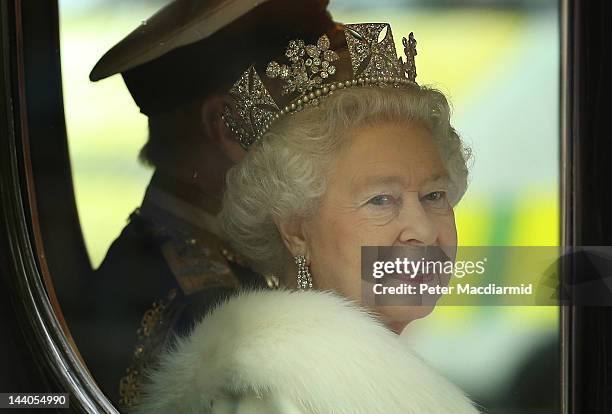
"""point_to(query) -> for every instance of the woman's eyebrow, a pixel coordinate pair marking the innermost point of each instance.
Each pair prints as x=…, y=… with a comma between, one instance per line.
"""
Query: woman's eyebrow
x=439, y=179
x=361, y=182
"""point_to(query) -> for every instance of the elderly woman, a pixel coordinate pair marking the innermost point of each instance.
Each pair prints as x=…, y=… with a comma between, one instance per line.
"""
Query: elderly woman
x=344, y=150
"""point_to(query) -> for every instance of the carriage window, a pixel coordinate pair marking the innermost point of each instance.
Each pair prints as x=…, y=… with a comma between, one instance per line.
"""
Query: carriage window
x=496, y=61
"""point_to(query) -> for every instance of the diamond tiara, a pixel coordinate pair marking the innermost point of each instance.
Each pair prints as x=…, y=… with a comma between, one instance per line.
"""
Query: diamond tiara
x=312, y=73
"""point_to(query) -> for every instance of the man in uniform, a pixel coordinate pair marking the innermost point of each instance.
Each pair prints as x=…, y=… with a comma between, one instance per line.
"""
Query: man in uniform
x=170, y=263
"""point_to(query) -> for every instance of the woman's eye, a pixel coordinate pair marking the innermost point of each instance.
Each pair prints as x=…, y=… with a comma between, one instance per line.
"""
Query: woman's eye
x=435, y=197
x=381, y=200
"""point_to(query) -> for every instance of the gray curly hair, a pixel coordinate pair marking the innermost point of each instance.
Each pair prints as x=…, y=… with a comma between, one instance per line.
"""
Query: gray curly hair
x=284, y=174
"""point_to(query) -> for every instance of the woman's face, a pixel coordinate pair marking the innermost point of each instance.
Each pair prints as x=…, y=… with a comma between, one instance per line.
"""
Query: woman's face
x=387, y=188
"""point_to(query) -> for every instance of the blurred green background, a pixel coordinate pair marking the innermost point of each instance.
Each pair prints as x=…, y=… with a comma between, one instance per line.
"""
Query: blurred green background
x=497, y=61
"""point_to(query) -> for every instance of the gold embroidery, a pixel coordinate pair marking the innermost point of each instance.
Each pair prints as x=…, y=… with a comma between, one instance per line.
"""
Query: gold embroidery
x=272, y=281
x=232, y=256
x=196, y=266
x=148, y=345
x=195, y=261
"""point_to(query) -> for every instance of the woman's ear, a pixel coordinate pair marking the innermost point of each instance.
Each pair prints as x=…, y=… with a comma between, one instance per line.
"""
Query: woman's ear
x=214, y=127
x=293, y=235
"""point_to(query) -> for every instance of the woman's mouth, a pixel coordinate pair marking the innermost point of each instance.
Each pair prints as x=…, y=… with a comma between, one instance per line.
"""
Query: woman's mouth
x=416, y=279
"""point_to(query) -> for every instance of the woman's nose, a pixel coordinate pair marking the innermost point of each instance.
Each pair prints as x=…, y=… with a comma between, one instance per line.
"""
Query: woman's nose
x=417, y=228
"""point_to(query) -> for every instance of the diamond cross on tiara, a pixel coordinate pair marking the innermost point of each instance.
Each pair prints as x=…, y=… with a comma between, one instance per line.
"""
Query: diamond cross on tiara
x=253, y=104
x=372, y=49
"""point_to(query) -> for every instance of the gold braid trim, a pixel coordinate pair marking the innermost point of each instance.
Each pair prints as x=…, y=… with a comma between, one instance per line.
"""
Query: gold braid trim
x=150, y=342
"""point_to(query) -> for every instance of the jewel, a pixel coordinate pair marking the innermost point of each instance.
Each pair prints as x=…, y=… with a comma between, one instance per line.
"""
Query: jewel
x=312, y=51
x=369, y=55
x=253, y=104
x=295, y=48
x=273, y=69
x=330, y=55
x=324, y=74
x=323, y=43
x=284, y=72
x=410, y=51
x=331, y=70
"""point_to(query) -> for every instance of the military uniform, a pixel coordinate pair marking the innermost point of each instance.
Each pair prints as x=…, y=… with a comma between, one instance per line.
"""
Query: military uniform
x=163, y=272
x=169, y=266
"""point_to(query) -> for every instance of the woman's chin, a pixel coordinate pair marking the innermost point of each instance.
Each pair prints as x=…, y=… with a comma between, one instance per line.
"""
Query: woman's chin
x=397, y=317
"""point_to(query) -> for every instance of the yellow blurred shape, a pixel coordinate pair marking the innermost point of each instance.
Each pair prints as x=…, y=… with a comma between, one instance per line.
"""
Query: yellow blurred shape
x=459, y=50
x=537, y=221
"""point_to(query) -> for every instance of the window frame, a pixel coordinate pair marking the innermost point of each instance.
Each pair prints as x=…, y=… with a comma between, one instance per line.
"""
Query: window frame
x=27, y=260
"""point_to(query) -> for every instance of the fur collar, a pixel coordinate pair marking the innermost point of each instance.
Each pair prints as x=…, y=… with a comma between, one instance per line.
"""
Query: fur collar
x=296, y=352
